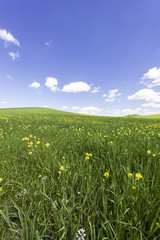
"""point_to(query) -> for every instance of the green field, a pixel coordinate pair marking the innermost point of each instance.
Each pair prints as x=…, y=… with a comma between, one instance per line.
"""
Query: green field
x=69, y=176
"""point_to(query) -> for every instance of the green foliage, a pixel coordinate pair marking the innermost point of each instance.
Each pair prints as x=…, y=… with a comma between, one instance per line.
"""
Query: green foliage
x=62, y=172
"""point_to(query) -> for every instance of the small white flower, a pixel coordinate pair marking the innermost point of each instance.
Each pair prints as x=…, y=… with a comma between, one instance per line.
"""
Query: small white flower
x=81, y=234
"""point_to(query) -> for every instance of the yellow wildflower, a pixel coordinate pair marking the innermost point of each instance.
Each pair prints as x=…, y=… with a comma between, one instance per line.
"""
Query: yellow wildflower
x=149, y=152
x=30, y=153
x=1, y=179
x=61, y=168
x=38, y=142
x=87, y=157
x=47, y=145
x=106, y=174
x=0, y=189
x=59, y=172
x=29, y=145
x=158, y=224
x=89, y=154
x=134, y=187
x=40, y=176
x=138, y=176
x=130, y=174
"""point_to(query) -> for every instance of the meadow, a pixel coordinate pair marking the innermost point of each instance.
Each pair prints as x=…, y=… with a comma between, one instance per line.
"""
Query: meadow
x=69, y=176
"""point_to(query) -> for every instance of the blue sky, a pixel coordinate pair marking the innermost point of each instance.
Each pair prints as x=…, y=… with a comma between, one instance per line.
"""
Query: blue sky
x=97, y=57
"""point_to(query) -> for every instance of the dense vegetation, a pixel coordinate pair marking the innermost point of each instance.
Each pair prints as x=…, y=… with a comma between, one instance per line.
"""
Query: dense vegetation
x=70, y=176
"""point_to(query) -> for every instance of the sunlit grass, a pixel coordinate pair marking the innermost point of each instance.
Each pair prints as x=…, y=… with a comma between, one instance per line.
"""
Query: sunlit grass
x=64, y=176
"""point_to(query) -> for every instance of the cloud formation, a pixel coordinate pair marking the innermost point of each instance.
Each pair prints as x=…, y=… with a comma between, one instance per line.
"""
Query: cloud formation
x=149, y=95
x=35, y=85
x=151, y=78
x=75, y=87
x=48, y=43
x=52, y=84
x=112, y=95
x=8, y=37
x=14, y=55
x=64, y=107
x=95, y=89
x=88, y=110
x=9, y=77
x=4, y=102
x=152, y=105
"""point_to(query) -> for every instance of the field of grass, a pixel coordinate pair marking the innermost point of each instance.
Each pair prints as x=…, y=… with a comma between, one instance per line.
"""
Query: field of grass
x=69, y=176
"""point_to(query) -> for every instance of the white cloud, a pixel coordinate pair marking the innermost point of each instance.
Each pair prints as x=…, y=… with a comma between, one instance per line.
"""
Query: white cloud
x=9, y=77
x=112, y=95
x=51, y=83
x=48, y=43
x=116, y=112
x=75, y=108
x=129, y=111
x=148, y=95
x=75, y=87
x=110, y=100
x=64, y=107
x=8, y=37
x=95, y=89
x=14, y=55
x=153, y=105
x=151, y=78
x=45, y=106
x=4, y=102
x=35, y=85
x=90, y=110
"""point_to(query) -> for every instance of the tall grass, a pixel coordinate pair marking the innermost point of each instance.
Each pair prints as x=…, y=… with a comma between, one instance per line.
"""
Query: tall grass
x=50, y=189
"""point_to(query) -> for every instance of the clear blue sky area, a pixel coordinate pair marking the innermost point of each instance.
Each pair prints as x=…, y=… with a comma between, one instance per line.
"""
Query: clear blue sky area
x=97, y=57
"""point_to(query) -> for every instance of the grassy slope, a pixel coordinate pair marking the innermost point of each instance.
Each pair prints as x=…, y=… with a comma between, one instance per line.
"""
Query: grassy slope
x=32, y=110
x=38, y=201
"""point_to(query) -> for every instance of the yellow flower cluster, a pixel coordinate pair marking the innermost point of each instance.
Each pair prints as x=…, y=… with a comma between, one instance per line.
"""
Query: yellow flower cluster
x=137, y=175
x=158, y=224
x=25, y=139
x=60, y=171
x=88, y=155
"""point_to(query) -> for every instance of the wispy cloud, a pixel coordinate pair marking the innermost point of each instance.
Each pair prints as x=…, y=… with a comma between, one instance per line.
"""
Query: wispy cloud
x=112, y=95
x=8, y=37
x=96, y=90
x=14, y=55
x=9, y=77
x=152, y=105
x=48, y=43
x=64, y=107
x=4, y=102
